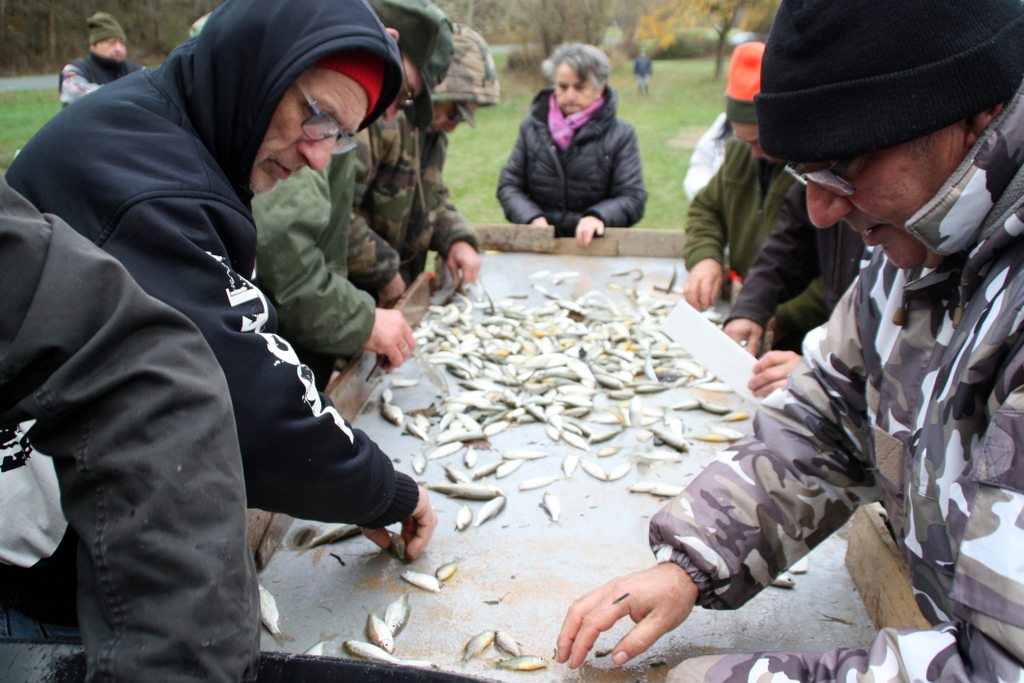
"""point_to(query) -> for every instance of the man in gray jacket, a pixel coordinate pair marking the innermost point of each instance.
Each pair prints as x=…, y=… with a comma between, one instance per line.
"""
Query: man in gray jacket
x=116, y=398
x=911, y=130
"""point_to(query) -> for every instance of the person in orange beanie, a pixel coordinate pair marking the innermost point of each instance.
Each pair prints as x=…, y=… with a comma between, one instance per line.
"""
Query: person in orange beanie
x=742, y=203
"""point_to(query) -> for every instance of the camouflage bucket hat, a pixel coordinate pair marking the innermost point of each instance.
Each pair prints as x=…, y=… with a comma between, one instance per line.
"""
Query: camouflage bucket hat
x=472, y=76
x=425, y=37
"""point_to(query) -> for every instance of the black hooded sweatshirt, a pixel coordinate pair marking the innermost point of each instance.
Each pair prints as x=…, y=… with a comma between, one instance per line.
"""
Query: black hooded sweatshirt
x=154, y=168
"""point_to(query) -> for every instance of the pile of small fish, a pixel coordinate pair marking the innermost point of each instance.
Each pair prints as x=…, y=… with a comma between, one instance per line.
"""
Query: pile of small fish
x=579, y=367
x=505, y=643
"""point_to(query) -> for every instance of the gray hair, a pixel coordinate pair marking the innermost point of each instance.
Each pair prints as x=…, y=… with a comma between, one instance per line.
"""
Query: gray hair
x=589, y=62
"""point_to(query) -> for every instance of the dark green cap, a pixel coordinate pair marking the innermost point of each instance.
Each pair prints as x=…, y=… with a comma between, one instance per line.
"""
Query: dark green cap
x=425, y=37
x=103, y=26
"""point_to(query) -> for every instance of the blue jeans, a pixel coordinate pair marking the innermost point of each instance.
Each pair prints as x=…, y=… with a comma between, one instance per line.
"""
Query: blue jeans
x=14, y=624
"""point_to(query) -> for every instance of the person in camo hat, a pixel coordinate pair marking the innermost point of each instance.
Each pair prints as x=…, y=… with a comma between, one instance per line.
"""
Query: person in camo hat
x=472, y=82
x=910, y=128
x=104, y=64
x=307, y=238
x=401, y=197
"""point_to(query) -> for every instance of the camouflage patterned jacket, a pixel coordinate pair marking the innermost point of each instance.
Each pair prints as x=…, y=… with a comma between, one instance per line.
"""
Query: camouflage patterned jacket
x=303, y=249
x=401, y=196
x=926, y=417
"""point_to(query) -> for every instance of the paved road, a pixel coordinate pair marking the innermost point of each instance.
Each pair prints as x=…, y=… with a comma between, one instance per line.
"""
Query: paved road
x=29, y=83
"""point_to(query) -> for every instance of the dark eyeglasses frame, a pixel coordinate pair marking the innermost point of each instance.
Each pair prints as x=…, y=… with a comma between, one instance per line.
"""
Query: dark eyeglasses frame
x=828, y=178
x=320, y=126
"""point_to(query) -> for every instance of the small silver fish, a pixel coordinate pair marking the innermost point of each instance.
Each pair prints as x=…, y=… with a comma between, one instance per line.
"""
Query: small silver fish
x=523, y=455
x=487, y=470
x=575, y=441
x=735, y=416
x=470, y=491
x=419, y=463
x=455, y=476
x=447, y=570
x=524, y=663
x=404, y=383
x=397, y=547
x=392, y=414
x=380, y=634
x=593, y=469
x=332, y=534
x=551, y=505
x=506, y=643
x=636, y=412
x=730, y=434
x=672, y=439
x=620, y=471
x=424, y=581
x=463, y=518
x=489, y=510
x=713, y=407
x=507, y=468
x=373, y=653
x=657, y=489
x=469, y=458
x=270, y=617
x=445, y=451
x=537, y=483
x=396, y=616
x=417, y=431
x=477, y=645
x=318, y=649
x=570, y=463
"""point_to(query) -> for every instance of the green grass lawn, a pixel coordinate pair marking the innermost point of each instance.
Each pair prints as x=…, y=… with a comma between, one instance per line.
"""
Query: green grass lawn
x=21, y=115
x=684, y=100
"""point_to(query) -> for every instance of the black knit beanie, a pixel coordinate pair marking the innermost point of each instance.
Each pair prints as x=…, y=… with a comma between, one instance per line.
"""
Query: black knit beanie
x=844, y=78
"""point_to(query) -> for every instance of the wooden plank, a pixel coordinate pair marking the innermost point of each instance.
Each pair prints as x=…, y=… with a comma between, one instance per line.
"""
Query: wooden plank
x=878, y=571
x=616, y=241
x=265, y=531
x=567, y=245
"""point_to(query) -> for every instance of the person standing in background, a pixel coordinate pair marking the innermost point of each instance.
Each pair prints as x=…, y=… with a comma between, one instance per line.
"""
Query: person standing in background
x=642, y=69
x=104, y=64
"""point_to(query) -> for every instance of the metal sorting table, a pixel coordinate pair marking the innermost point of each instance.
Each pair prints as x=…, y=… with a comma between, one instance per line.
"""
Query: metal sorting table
x=536, y=568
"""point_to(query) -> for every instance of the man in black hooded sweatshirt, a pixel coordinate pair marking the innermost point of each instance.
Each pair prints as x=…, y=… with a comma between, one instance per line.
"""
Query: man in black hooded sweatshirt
x=164, y=163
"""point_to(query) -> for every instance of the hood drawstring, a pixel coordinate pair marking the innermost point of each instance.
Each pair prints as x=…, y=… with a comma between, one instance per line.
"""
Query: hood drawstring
x=899, y=318
x=958, y=312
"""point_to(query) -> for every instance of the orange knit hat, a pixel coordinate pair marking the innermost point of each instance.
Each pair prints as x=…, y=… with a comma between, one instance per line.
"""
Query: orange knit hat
x=744, y=82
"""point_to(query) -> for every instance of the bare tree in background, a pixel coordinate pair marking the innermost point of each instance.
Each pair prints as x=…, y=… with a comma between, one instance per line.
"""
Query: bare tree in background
x=666, y=17
x=40, y=36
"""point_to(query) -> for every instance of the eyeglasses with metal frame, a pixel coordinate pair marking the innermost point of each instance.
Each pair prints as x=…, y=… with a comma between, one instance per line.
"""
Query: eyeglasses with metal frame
x=320, y=126
x=827, y=178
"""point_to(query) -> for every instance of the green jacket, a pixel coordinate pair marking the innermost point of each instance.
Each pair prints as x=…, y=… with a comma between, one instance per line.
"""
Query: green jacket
x=303, y=250
x=731, y=211
x=401, y=196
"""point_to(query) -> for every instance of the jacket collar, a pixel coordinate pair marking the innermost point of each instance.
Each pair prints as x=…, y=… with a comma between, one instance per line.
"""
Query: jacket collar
x=601, y=119
x=961, y=217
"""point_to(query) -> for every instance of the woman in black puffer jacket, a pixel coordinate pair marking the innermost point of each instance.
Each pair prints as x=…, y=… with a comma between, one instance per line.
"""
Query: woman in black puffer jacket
x=575, y=165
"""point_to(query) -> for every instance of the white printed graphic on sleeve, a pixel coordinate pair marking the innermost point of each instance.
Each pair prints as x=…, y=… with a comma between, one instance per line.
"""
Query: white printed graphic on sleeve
x=34, y=523
x=240, y=291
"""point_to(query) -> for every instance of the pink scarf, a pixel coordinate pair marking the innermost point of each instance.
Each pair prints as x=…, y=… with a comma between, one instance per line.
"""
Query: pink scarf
x=563, y=127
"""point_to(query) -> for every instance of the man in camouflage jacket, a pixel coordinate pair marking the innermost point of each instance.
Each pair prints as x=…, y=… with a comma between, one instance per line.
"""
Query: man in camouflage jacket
x=912, y=394
x=400, y=192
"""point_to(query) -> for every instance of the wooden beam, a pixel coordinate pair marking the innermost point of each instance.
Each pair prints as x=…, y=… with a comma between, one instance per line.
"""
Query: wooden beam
x=881, y=576
x=616, y=241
